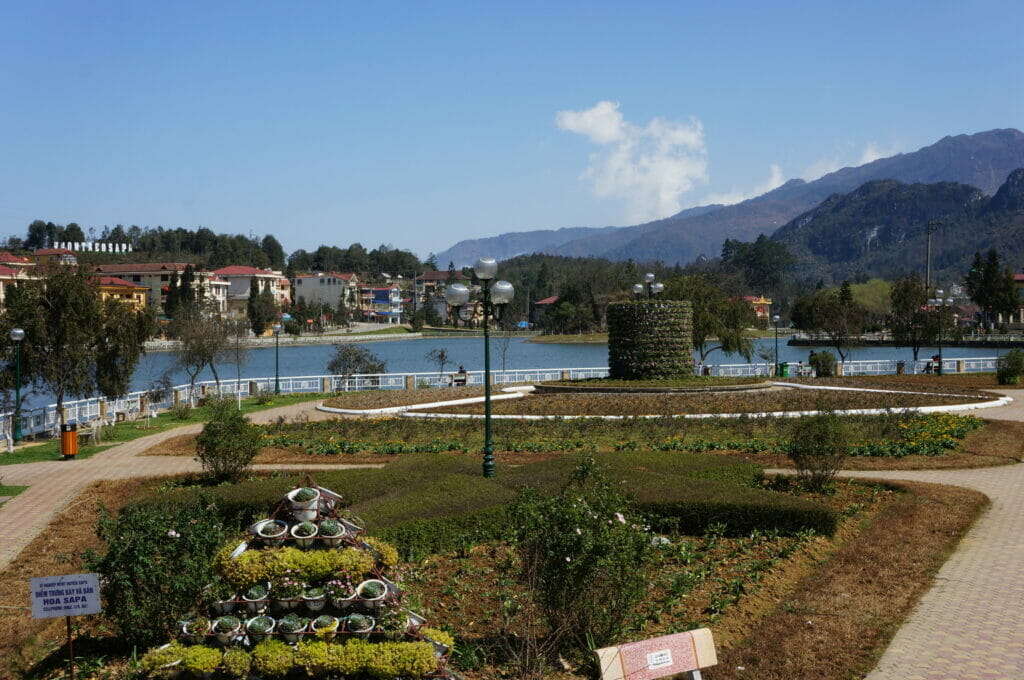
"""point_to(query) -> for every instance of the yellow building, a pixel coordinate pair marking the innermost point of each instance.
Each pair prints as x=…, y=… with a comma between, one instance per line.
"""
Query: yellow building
x=126, y=291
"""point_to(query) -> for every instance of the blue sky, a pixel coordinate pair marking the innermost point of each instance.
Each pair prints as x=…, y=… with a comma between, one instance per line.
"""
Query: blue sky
x=420, y=124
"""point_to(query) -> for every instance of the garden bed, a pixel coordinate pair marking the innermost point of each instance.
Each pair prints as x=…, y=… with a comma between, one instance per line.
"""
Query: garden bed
x=776, y=400
x=669, y=386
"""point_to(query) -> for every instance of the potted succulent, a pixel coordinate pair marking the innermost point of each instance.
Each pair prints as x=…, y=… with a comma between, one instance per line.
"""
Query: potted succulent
x=325, y=626
x=291, y=627
x=359, y=624
x=332, y=532
x=288, y=589
x=259, y=627
x=197, y=629
x=304, y=502
x=340, y=591
x=273, y=531
x=371, y=593
x=255, y=598
x=315, y=598
x=221, y=596
x=393, y=623
x=304, y=534
x=226, y=628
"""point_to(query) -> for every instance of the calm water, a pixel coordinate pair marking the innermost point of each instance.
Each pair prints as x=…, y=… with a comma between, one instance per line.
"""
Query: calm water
x=409, y=356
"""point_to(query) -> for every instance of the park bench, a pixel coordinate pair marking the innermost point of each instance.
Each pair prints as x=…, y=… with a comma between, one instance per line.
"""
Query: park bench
x=659, y=657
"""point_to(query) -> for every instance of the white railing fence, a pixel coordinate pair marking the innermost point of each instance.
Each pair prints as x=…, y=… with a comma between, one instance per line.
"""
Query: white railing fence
x=46, y=420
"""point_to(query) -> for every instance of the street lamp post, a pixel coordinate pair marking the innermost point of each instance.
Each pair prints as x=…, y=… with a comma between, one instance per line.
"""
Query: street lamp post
x=277, y=358
x=650, y=286
x=17, y=335
x=775, y=322
x=495, y=297
x=940, y=305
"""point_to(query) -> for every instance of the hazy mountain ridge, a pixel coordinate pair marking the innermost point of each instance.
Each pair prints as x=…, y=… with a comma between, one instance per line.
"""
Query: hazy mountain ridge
x=880, y=229
x=982, y=160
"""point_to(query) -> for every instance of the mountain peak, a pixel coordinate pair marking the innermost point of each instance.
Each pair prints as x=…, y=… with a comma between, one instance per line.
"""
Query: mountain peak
x=1010, y=196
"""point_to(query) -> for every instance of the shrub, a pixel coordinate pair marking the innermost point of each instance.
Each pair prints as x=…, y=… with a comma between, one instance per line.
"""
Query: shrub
x=272, y=659
x=157, y=658
x=157, y=563
x=349, y=659
x=582, y=559
x=818, y=445
x=823, y=363
x=228, y=442
x=313, y=655
x=387, y=556
x=199, y=659
x=349, y=360
x=237, y=663
x=1010, y=367
x=181, y=411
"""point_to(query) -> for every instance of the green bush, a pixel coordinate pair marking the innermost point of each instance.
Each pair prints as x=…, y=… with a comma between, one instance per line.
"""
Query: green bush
x=199, y=660
x=818, y=445
x=272, y=659
x=228, y=442
x=157, y=562
x=582, y=555
x=1010, y=367
x=823, y=363
x=237, y=663
x=157, y=658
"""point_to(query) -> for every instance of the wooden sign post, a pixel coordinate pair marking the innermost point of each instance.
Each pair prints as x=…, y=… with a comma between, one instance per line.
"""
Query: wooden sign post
x=67, y=596
x=659, y=657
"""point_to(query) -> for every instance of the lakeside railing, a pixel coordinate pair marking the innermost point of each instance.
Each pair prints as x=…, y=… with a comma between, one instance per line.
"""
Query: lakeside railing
x=45, y=421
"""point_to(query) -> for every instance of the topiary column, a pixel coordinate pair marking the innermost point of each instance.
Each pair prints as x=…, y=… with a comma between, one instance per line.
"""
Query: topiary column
x=650, y=339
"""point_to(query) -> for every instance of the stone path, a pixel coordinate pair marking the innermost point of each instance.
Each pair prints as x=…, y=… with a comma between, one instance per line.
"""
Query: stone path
x=969, y=625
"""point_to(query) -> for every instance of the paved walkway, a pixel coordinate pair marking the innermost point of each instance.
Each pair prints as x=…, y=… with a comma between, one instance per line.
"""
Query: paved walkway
x=969, y=625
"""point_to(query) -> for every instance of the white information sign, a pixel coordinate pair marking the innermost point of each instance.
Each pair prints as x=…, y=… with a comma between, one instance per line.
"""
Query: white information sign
x=68, y=595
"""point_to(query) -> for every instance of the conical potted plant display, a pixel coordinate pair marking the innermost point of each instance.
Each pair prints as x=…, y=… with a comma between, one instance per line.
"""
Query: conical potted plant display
x=227, y=628
x=340, y=592
x=325, y=626
x=359, y=624
x=304, y=534
x=197, y=629
x=291, y=627
x=332, y=532
x=315, y=598
x=255, y=598
x=304, y=503
x=259, y=627
x=371, y=593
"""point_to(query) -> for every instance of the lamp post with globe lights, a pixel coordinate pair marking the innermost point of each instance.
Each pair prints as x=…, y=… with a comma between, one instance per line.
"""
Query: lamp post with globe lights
x=495, y=297
x=940, y=304
x=17, y=335
x=775, y=322
x=277, y=358
x=650, y=286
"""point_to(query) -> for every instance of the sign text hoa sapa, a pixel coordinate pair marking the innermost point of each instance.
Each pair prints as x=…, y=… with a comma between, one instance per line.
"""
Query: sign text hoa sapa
x=659, y=657
x=68, y=595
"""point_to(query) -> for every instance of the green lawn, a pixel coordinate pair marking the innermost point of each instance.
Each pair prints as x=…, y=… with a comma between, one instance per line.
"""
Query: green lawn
x=10, y=491
x=127, y=431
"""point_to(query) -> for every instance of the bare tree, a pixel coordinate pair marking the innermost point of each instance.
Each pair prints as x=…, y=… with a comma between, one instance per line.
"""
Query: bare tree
x=204, y=341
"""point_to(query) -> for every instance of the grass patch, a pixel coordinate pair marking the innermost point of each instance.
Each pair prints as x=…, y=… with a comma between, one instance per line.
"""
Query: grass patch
x=690, y=381
x=128, y=431
x=579, y=339
x=8, y=490
x=390, y=330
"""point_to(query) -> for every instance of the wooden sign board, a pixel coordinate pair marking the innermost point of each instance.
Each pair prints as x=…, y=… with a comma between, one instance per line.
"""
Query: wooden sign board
x=658, y=657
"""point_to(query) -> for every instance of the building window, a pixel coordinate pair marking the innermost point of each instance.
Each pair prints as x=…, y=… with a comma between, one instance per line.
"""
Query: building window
x=164, y=277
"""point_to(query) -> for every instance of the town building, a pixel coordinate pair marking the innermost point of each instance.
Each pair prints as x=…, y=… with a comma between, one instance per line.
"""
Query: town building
x=432, y=284
x=9, y=278
x=9, y=259
x=327, y=288
x=156, y=277
x=381, y=305
x=126, y=292
x=240, y=280
x=51, y=258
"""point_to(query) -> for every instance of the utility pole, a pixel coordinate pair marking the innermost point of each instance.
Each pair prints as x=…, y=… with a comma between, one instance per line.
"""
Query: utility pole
x=928, y=255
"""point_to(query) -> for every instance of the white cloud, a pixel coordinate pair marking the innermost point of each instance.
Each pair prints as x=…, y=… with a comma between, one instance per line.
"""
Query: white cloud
x=872, y=152
x=650, y=166
x=736, y=195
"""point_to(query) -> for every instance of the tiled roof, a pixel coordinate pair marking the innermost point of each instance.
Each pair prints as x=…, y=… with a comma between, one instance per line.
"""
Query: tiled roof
x=242, y=270
x=9, y=271
x=114, y=281
x=54, y=251
x=11, y=257
x=547, y=301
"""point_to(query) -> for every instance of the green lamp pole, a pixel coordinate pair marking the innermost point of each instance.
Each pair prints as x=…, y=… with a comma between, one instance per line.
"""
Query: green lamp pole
x=17, y=335
x=495, y=298
x=940, y=306
x=775, y=321
x=277, y=358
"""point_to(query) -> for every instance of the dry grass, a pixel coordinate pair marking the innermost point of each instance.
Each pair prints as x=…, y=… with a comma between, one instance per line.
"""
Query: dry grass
x=960, y=383
x=388, y=398
x=838, y=621
x=57, y=550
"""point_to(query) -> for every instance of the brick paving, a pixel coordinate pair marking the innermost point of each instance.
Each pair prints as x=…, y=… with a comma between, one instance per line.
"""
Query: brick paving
x=969, y=625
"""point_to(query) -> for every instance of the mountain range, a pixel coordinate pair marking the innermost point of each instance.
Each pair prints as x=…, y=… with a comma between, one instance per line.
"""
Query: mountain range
x=982, y=161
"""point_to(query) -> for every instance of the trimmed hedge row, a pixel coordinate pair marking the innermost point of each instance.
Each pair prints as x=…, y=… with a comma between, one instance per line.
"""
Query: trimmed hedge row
x=650, y=339
x=434, y=503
